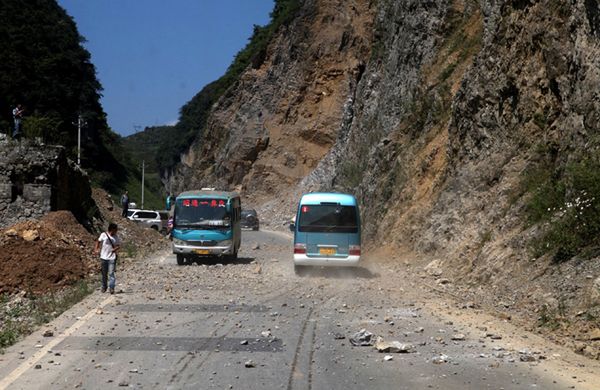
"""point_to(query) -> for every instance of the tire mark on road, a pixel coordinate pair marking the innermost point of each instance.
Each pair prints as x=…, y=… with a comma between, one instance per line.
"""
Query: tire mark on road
x=214, y=333
x=311, y=354
x=298, y=349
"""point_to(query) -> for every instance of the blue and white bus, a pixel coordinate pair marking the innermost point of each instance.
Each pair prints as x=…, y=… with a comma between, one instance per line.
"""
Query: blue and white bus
x=206, y=223
x=327, y=231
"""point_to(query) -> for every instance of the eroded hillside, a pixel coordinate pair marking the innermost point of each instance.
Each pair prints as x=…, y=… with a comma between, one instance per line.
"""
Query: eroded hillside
x=468, y=130
x=282, y=117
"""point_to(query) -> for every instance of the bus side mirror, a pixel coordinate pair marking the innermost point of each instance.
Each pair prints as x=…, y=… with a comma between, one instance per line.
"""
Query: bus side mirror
x=292, y=226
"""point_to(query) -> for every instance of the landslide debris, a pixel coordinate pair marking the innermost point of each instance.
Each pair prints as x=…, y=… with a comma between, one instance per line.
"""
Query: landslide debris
x=45, y=255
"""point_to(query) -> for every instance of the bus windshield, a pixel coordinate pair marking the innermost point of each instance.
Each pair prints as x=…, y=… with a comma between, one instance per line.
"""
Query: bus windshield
x=328, y=218
x=204, y=213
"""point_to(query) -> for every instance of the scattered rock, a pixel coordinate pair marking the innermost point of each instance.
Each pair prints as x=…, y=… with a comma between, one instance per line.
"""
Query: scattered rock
x=594, y=334
x=458, y=337
x=387, y=358
x=48, y=333
x=527, y=358
x=362, y=338
x=591, y=352
x=256, y=246
x=420, y=329
x=244, y=342
x=249, y=364
x=338, y=336
x=440, y=359
x=434, y=268
x=393, y=347
x=266, y=333
x=38, y=366
x=30, y=235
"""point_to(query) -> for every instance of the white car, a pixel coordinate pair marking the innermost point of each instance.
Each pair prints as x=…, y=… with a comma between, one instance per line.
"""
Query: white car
x=149, y=218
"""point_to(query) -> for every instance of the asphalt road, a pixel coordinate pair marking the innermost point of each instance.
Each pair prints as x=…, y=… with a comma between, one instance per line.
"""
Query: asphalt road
x=255, y=325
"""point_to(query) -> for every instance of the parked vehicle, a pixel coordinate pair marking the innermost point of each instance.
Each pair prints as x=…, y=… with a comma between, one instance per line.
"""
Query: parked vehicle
x=206, y=223
x=131, y=211
x=250, y=219
x=326, y=231
x=149, y=218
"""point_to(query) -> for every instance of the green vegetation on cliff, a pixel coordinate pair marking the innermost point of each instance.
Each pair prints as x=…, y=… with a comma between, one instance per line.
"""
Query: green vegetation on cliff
x=563, y=199
x=44, y=67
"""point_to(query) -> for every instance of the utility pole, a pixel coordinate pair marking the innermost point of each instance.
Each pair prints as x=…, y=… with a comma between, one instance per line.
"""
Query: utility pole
x=143, y=172
x=80, y=124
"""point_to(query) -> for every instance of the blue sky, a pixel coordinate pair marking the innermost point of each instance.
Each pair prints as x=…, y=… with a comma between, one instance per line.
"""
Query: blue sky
x=153, y=56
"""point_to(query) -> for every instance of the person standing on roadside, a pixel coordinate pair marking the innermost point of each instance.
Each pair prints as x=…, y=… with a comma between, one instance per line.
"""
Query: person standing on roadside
x=107, y=246
x=17, y=116
x=125, y=203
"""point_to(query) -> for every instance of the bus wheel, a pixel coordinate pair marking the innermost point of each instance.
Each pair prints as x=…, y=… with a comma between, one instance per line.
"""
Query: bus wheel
x=180, y=260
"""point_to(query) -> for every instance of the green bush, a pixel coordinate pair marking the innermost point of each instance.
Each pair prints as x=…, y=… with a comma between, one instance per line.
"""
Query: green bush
x=42, y=126
x=565, y=200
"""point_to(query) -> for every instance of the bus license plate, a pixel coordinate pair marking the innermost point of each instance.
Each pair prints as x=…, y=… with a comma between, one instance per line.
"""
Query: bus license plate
x=327, y=251
x=202, y=251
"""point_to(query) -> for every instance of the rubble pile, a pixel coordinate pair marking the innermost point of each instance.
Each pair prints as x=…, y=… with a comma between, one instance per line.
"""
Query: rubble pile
x=45, y=255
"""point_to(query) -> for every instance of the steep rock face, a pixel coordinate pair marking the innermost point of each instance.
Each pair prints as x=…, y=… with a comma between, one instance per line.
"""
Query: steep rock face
x=534, y=85
x=272, y=128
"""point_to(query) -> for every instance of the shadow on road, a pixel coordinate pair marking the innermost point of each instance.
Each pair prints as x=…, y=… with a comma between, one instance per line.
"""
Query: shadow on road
x=336, y=272
x=220, y=260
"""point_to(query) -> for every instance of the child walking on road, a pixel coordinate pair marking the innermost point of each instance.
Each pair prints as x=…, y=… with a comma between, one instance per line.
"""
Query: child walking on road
x=107, y=246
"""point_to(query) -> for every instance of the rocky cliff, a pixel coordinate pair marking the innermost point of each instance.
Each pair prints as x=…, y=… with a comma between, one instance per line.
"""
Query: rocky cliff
x=282, y=117
x=468, y=130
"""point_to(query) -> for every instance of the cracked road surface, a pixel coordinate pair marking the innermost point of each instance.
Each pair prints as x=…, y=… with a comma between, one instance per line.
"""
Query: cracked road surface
x=255, y=324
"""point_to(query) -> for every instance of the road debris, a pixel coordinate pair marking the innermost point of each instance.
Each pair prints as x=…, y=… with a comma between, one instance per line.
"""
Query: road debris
x=393, y=346
x=440, y=359
x=363, y=338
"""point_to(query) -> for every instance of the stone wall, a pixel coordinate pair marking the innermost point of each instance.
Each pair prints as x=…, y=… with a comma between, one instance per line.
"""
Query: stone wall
x=36, y=179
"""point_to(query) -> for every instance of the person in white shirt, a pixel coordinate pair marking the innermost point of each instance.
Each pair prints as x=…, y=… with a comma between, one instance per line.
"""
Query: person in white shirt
x=107, y=246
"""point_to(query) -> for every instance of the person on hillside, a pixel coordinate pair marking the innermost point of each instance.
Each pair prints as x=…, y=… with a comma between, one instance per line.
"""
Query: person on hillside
x=107, y=246
x=125, y=203
x=17, y=116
